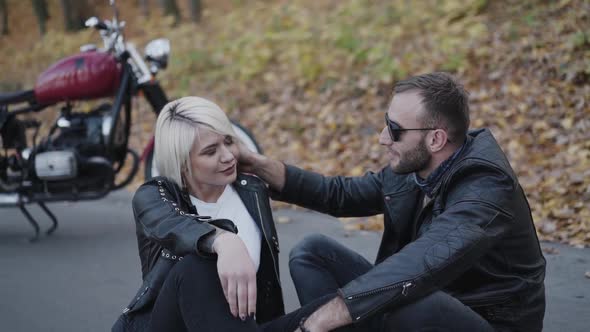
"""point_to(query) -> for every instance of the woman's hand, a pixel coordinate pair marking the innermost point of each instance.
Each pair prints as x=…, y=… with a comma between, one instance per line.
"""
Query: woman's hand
x=237, y=274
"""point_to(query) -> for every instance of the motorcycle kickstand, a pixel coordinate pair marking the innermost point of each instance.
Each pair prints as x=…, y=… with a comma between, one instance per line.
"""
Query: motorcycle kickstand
x=32, y=221
x=51, y=216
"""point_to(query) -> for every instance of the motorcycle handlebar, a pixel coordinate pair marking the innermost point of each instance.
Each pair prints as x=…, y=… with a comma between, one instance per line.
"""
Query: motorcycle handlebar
x=101, y=26
x=94, y=22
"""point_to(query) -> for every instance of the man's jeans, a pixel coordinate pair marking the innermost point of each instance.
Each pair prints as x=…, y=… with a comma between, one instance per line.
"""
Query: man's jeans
x=320, y=266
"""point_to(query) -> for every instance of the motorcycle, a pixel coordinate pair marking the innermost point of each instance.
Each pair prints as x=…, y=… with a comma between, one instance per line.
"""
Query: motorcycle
x=83, y=151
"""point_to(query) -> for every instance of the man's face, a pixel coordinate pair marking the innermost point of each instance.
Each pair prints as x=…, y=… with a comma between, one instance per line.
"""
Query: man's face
x=410, y=153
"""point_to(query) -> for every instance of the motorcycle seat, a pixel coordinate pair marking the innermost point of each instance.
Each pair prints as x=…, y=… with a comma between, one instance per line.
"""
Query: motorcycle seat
x=17, y=97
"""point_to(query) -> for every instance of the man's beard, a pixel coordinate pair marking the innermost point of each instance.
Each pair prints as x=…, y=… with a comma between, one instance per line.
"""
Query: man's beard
x=414, y=160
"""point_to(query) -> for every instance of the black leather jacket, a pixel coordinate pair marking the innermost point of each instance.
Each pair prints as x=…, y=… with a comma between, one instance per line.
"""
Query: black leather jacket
x=168, y=227
x=474, y=240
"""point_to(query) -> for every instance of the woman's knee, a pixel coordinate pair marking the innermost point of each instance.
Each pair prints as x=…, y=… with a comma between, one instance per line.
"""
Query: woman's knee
x=193, y=267
x=194, y=276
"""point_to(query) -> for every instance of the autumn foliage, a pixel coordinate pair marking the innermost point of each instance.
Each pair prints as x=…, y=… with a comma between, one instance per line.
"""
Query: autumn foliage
x=312, y=78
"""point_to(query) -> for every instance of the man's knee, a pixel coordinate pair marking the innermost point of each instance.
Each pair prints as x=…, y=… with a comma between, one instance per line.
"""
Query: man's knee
x=311, y=245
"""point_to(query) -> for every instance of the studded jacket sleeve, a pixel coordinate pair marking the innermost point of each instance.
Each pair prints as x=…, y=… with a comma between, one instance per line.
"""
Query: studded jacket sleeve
x=159, y=215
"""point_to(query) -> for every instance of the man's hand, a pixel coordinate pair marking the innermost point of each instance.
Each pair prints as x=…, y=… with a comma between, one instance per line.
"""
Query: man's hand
x=237, y=274
x=269, y=170
x=330, y=316
x=246, y=158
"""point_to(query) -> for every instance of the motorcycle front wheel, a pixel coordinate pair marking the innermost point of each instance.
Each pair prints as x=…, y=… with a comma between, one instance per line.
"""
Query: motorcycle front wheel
x=243, y=134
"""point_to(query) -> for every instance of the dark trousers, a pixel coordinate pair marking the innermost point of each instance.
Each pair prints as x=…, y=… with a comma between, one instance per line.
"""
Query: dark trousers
x=192, y=299
x=320, y=266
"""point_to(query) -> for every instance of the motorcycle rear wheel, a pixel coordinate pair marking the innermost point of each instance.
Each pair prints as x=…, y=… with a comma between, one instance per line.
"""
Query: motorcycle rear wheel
x=244, y=134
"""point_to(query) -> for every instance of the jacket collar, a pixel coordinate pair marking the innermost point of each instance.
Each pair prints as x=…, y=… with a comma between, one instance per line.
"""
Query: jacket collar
x=481, y=148
x=431, y=184
x=247, y=187
x=243, y=184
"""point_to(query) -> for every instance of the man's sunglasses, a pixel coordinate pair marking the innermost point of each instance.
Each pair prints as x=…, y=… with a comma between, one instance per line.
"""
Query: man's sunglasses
x=395, y=130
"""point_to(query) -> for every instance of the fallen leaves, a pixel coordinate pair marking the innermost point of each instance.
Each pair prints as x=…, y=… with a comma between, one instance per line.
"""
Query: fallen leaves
x=312, y=78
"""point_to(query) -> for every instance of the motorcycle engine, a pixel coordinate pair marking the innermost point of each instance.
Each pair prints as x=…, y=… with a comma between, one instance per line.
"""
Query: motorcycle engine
x=86, y=133
x=56, y=165
x=75, y=157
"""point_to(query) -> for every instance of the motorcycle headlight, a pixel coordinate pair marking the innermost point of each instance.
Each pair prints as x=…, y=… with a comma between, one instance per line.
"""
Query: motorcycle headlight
x=157, y=52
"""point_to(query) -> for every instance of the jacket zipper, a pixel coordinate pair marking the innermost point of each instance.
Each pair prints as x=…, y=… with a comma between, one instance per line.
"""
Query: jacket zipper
x=406, y=285
x=266, y=238
x=494, y=300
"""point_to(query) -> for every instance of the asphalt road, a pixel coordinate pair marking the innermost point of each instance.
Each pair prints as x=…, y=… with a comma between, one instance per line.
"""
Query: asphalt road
x=81, y=277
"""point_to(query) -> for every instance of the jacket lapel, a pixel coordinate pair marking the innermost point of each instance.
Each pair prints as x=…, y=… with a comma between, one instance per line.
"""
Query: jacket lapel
x=248, y=197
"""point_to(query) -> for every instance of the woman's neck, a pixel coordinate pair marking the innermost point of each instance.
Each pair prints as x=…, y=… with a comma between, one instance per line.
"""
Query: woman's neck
x=207, y=193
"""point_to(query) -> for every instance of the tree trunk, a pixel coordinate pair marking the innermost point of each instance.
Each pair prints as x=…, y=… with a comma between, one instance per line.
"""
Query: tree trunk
x=75, y=13
x=171, y=8
x=196, y=10
x=145, y=7
x=3, y=17
x=40, y=7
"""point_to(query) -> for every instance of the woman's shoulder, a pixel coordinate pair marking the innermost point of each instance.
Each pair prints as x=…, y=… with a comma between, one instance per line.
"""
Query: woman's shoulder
x=161, y=182
x=157, y=187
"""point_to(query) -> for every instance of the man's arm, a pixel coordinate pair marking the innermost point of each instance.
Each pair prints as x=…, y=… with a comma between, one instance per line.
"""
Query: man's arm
x=476, y=217
x=330, y=316
x=336, y=195
x=270, y=170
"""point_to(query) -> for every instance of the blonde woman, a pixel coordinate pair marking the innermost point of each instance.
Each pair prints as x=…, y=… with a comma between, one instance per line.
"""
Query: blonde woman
x=206, y=236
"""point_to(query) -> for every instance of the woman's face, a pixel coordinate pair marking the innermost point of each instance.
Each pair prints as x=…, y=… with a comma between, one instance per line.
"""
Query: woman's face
x=213, y=159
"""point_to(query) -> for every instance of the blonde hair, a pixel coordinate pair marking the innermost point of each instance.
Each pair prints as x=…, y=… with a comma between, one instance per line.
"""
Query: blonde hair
x=177, y=128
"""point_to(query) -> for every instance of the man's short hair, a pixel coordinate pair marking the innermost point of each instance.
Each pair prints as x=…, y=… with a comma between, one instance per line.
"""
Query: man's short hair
x=445, y=102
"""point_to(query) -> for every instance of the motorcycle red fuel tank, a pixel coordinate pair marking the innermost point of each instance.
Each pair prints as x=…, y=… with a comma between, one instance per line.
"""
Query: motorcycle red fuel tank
x=82, y=76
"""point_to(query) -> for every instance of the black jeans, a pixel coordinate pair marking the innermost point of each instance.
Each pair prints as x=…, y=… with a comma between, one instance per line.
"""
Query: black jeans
x=320, y=266
x=192, y=299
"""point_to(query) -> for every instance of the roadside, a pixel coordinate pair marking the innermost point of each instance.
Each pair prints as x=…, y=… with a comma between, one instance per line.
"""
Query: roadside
x=81, y=277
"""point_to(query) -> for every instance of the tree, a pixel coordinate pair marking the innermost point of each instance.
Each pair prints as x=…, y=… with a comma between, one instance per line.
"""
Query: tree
x=40, y=7
x=75, y=13
x=145, y=7
x=171, y=8
x=196, y=10
x=3, y=17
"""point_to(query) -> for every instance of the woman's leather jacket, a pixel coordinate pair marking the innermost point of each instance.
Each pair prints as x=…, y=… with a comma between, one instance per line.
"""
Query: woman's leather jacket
x=169, y=227
x=474, y=240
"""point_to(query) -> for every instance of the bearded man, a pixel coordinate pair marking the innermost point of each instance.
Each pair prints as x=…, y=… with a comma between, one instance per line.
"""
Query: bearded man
x=459, y=250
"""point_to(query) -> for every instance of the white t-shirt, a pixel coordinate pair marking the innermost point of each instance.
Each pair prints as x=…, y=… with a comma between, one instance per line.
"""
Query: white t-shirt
x=230, y=206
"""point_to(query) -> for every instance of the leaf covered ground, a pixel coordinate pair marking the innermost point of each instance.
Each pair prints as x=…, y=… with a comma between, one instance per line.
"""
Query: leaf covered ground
x=312, y=78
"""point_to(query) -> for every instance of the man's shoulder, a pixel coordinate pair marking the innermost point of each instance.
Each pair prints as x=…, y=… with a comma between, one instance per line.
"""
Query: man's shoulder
x=483, y=152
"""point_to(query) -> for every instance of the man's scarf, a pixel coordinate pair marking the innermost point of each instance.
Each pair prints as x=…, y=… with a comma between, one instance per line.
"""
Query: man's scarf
x=432, y=183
